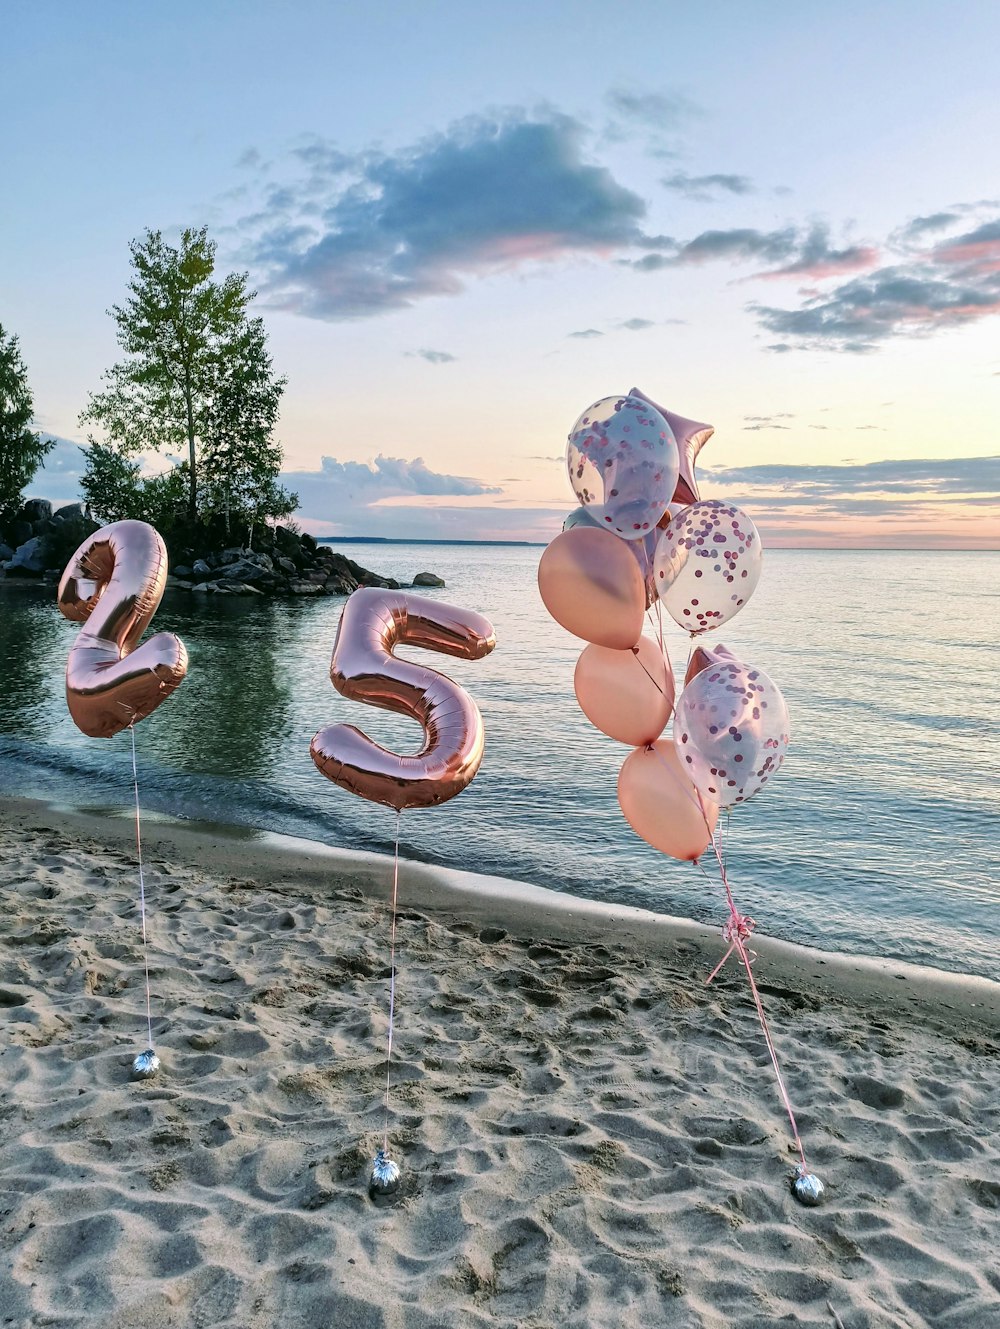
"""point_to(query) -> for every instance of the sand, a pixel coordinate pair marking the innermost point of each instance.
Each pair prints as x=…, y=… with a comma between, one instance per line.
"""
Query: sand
x=588, y=1135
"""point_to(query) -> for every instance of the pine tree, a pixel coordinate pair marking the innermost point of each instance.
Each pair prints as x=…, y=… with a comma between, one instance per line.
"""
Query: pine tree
x=21, y=449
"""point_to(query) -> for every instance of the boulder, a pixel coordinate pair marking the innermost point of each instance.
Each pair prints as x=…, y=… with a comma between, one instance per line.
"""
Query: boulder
x=29, y=558
x=5, y=552
x=36, y=509
x=286, y=565
x=201, y=568
x=70, y=512
x=305, y=588
x=183, y=572
x=19, y=532
x=236, y=588
x=428, y=579
x=245, y=570
x=340, y=584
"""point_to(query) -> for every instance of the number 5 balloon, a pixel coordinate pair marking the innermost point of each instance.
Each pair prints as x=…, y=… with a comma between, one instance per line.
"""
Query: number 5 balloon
x=113, y=584
x=364, y=669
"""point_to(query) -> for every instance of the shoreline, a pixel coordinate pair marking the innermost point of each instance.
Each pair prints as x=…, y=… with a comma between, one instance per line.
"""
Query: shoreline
x=521, y=909
x=588, y=1135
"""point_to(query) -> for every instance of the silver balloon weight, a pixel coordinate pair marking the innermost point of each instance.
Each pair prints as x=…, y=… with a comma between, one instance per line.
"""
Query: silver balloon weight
x=146, y=1064
x=385, y=1176
x=807, y=1188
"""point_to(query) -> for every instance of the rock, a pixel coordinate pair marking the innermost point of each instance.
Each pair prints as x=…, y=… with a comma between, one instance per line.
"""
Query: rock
x=5, y=553
x=181, y=572
x=201, y=568
x=340, y=584
x=202, y=588
x=36, y=509
x=28, y=559
x=428, y=579
x=19, y=532
x=244, y=569
x=308, y=543
x=70, y=512
x=286, y=565
x=305, y=588
x=235, y=587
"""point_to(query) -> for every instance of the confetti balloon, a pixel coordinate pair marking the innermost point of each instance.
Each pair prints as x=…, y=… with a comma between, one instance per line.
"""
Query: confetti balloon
x=623, y=465
x=708, y=561
x=731, y=731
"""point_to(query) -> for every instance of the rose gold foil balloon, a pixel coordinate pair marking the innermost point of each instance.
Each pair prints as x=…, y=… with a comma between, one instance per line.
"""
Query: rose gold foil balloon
x=113, y=584
x=702, y=657
x=592, y=586
x=364, y=669
x=662, y=805
x=691, y=437
x=628, y=695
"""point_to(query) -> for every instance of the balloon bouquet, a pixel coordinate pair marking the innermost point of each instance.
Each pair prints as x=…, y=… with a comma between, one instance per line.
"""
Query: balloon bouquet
x=643, y=539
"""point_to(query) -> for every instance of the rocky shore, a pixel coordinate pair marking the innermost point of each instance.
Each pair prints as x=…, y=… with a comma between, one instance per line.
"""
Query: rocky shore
x=280, y=562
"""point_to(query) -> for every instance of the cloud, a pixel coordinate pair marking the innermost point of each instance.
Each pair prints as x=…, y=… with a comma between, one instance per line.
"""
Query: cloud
x=935, y=478
x=490, y=193
x=637, y=324
x=344, y=493
x=653, y=110
x=954, y=283
x=817, y=259
x=919, y=227
x=434, y=357
x=702, y=188
x=585, y=334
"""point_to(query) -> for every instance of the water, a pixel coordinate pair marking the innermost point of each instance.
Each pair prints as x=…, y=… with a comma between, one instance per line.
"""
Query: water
x=878, y=836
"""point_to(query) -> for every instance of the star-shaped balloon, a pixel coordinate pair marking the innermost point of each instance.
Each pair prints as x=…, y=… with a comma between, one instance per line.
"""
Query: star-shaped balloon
x=691, y=437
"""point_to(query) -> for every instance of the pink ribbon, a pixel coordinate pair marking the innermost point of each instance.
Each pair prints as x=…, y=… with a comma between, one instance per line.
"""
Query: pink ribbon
x=737, y=930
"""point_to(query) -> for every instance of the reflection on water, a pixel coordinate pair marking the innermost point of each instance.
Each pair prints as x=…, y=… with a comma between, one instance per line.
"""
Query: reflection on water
x=878, y=836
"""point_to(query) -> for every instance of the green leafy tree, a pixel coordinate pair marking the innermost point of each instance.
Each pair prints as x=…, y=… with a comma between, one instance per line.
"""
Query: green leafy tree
x=21, y=449
x=114, y=488
x=196, y=379
x=241, y=460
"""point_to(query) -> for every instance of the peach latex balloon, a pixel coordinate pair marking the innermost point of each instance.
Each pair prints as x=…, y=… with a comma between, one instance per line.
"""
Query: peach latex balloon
x=592, y=586
x=662, y=805
x=113, y=585
x=691, y=436
x=628, y=695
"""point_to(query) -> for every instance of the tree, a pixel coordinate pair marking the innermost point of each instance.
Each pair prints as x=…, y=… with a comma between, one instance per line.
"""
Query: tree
x=241, y=460
x=197, y=377
x=21, y=449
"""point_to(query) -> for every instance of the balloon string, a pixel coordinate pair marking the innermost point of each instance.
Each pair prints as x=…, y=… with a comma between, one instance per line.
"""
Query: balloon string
x=392, y=983
x=142, y=887
x=738, y=928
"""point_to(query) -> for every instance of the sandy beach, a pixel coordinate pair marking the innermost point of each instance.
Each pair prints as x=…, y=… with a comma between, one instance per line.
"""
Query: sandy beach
x=588, y=1135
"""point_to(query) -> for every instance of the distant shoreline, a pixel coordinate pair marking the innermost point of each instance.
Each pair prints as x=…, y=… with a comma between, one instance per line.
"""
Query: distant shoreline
x=389, y=540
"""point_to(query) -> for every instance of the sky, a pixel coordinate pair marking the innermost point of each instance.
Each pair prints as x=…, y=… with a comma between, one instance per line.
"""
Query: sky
x=466, y=223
